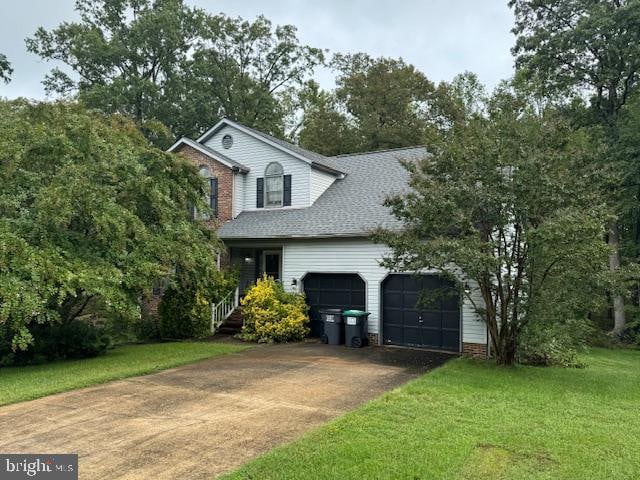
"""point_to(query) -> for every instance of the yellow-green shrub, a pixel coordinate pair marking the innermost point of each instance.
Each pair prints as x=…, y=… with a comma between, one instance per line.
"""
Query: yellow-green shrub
x=273, y=315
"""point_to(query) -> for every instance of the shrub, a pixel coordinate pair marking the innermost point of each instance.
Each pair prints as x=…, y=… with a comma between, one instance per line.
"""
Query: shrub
x=555, y=344
x=185, y=308
x=57, y=341
x=273, y=315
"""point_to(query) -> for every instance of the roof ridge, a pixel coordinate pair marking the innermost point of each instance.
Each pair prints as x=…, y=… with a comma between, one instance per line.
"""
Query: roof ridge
x=377, y=151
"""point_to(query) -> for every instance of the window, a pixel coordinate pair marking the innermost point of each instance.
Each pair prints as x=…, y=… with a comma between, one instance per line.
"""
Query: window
x=273, y=189
x=211, y=193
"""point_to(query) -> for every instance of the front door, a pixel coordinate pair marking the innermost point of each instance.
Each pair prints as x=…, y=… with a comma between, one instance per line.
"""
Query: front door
x=271, y=263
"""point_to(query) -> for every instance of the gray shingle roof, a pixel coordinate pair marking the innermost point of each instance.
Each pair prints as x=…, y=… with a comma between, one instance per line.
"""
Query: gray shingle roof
x=350, y=207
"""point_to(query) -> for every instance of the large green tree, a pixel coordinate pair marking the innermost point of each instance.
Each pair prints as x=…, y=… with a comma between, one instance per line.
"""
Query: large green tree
x=498, y=206
x=89, y=214
x=125, y=56
x=246, y=71
x=164, y=63
x=589, y=49
x=378, y=103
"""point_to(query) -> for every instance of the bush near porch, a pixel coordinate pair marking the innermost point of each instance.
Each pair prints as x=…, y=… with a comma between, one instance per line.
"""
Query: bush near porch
x=273, y=315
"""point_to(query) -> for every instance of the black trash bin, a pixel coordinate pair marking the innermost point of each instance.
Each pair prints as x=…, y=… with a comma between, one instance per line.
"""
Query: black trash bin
x=333, y=328
x=355, y=328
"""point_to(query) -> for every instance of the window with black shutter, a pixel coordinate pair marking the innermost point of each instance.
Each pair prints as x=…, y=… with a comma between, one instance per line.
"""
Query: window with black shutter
x=260, y=193
x=213, y=196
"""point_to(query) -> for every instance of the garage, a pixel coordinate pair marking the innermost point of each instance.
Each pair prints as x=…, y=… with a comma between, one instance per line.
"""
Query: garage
x=332, y=290
x=411, y=318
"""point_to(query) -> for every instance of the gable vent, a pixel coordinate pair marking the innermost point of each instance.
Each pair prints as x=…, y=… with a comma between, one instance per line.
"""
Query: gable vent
x=227, y=141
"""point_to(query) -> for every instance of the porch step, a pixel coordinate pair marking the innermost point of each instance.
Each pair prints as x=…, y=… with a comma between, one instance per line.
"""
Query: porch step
x=233, y=324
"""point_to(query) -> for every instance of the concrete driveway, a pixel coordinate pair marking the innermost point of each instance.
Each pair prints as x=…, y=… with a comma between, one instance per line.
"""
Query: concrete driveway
x=207, y=418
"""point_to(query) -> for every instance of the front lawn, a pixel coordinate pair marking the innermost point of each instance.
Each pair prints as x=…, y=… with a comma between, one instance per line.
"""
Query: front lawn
x=471, y=420
x=26, y=383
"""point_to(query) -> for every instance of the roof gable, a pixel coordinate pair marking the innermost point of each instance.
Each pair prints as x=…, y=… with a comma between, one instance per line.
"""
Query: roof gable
x=314, y=159
x=210, y=152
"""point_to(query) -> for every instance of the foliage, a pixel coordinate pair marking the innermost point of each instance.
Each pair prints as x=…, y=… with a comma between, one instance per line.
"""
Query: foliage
x=499, y=203
x=547, y=343
x=89, y=213
x=590, y=50
x=470, y=420
x=246, y=71
x=57, y=341
x=185, y=308
x=5, y=69
x=273, y=315
x=25, y=383
x=162, y=62
x=378, y=103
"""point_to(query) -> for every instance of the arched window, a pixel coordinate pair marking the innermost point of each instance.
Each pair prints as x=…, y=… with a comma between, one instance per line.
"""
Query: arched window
x=273, y=185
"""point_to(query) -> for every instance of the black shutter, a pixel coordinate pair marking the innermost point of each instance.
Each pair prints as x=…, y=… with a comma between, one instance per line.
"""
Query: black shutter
x=286, y=197
x=213, y=197
x=260, y=193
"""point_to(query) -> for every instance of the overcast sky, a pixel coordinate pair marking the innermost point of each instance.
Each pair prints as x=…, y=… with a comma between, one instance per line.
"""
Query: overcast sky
x=440, y=37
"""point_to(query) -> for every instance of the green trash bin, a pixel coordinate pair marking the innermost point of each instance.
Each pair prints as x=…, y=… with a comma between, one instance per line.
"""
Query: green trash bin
x=355, y=328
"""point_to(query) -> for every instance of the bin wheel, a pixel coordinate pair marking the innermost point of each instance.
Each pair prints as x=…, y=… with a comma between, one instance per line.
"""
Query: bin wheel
x=324, y=338
x=356, y=342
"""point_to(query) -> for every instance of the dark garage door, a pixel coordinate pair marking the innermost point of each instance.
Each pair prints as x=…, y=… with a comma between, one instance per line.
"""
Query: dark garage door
x=332, y=290
x=433, y=322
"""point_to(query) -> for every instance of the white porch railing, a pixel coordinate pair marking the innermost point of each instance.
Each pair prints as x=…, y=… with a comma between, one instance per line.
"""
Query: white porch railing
x=224, y=308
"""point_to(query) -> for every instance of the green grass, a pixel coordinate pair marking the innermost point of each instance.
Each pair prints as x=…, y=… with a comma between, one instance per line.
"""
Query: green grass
x=26, y=383
x=472, y=420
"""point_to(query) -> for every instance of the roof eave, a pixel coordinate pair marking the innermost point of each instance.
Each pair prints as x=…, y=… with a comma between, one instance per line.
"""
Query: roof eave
x=196, y=145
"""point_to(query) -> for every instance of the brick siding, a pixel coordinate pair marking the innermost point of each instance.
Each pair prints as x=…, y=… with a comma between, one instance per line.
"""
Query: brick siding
x=224, y=175
x=478, y=350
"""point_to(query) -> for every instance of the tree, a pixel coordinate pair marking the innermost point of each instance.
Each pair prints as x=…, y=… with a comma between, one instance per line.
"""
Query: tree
x=5, y=69
x=324, y=128
x=378, y=103
x=588, y=49
x=125, y=55
x=166, y=64
x=89, y=214
x=246, y=70
x=505, y=203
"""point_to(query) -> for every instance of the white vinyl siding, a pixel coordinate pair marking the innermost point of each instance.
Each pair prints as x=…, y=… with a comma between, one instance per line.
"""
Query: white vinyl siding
x=238, y=192
x=256, y=155
x=359, y=256
x=320, y=181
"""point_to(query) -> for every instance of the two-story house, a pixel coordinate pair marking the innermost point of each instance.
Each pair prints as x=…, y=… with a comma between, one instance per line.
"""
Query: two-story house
x=305, y=219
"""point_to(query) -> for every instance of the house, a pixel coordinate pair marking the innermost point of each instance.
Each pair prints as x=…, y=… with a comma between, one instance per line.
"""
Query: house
x=305, y=219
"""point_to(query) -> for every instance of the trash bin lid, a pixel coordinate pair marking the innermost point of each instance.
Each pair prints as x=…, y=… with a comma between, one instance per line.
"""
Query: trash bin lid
x=355, y=313
x=331, y=311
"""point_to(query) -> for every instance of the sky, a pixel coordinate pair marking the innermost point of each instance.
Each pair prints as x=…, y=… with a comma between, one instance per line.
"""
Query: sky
x=440, y=37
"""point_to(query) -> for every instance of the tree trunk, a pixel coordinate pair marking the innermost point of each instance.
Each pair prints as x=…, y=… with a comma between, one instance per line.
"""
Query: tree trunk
x=614, y=265
x=504, y=349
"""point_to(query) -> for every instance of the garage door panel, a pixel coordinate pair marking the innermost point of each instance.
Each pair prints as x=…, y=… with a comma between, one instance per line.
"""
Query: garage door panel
x=411, y=318
x=412, y=336
x=432, y=337
x=432, y=319
x=451, y=320
x=410, y=299
x=450, y=340
x=428, y=314
x=358, y=297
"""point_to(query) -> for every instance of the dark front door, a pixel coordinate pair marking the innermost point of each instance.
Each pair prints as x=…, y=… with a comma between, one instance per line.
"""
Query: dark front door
x=332, y=290
x=421, y=311
x=271, y=265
